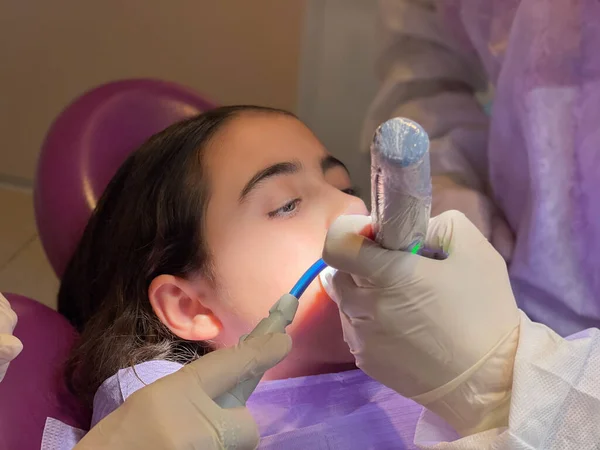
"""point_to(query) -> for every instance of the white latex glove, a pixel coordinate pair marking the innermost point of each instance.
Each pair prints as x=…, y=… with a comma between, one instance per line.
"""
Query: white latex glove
x=443, y=333
x=177, y=411
x=450, y=195
x=10, y=346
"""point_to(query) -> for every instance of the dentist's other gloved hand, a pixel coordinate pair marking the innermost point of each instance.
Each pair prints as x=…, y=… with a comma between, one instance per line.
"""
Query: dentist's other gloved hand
x=10, y=346
x=177, y=411
x=443, y=333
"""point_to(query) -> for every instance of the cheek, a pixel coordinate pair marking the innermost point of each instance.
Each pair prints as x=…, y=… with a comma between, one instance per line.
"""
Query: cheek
x=255, y=266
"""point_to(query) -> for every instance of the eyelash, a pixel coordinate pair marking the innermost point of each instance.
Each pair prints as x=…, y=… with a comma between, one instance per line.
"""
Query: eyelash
x=290, y=208
x=283, y=211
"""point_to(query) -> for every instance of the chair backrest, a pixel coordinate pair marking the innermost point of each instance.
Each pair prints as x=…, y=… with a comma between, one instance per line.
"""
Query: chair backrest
x=86, y=145
x=33, y=388
x=83, y=150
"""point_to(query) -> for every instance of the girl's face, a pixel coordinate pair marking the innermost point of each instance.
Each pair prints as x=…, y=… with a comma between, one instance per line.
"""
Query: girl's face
x=274, y=192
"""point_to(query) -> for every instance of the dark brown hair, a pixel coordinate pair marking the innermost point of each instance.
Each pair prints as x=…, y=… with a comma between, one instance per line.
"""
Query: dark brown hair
x=148, y=222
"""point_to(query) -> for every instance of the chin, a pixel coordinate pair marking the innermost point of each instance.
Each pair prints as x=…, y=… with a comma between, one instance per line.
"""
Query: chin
x=318, y=341
x=317, y=329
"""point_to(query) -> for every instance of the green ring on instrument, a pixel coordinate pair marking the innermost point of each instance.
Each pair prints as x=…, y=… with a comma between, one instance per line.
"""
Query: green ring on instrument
x=416, y=248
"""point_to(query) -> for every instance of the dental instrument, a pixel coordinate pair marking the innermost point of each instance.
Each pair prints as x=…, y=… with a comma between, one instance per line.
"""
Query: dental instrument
x=400, y=185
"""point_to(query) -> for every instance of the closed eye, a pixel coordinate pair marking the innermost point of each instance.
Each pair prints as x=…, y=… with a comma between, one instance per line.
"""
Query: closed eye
x=351, y=191
x=287, y=210
x=291, y=207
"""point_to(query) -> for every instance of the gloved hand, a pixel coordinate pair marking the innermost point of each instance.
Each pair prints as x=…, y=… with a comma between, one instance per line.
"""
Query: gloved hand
x=10, y=346
x=177, y=411
x=443, y=333
x=450, y=195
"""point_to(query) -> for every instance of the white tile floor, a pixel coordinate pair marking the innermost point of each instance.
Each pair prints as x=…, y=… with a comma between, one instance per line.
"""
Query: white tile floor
x=24, y=268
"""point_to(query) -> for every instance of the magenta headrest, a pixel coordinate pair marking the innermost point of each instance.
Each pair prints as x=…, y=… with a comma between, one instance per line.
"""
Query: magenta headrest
x=33, y=388
x=86, y=145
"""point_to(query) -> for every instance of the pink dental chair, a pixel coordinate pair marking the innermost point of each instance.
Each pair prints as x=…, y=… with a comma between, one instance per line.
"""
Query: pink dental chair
x=83, y=149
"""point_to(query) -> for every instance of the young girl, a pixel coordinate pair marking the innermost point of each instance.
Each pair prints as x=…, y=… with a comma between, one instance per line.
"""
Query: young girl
x=201, y=230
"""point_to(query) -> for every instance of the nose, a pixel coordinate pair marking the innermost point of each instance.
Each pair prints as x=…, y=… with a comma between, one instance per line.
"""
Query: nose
x=355, y=206
x=344, y=204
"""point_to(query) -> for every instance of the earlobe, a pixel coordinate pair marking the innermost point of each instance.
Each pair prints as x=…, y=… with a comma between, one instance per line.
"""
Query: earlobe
x=179, y=306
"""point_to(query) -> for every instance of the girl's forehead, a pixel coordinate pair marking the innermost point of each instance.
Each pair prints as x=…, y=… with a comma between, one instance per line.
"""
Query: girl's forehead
x=256, y=139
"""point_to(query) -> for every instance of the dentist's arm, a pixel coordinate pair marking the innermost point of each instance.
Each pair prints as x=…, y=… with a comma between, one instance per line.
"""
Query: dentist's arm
x=449, y=335
x=178, y=411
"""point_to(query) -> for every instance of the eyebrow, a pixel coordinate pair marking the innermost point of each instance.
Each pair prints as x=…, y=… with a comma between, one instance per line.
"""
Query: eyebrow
x=329, y=162
x=285, y=168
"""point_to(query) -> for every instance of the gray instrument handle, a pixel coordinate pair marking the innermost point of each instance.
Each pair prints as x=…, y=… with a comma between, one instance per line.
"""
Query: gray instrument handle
x=280, y=316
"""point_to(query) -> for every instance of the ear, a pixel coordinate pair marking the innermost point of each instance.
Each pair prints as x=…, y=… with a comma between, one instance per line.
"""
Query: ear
x=179, y=305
